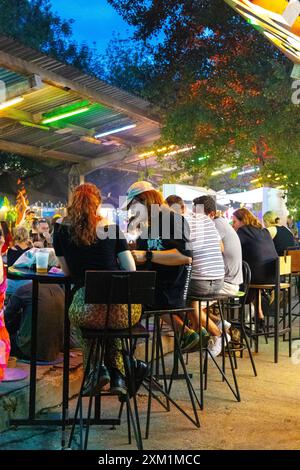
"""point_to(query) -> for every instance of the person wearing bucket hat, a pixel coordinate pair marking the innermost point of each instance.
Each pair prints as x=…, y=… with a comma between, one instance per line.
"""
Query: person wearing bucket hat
x=134, y=190
x=163, y=246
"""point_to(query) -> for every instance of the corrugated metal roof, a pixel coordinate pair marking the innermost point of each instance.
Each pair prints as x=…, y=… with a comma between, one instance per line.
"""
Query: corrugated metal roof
x=12, y=47
x=65, y=136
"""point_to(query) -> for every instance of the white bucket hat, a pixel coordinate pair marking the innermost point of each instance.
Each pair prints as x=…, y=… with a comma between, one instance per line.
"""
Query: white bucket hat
x=134, y=190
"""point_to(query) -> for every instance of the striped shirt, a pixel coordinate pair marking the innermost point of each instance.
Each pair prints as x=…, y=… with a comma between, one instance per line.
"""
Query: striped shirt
x=208, y=261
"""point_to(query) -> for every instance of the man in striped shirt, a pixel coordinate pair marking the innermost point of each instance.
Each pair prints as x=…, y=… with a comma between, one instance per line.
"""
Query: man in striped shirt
x=208, y=268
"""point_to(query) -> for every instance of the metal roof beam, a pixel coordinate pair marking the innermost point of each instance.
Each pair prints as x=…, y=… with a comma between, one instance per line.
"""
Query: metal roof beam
x=101, y=161
x=25, y=67
x=40, y=152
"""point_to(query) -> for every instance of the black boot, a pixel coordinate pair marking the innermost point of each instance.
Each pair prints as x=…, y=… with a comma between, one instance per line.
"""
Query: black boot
x=117, y=382
x=92, y=385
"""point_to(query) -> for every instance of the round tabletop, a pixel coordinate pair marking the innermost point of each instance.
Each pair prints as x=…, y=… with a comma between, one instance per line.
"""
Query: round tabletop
x=30, y=274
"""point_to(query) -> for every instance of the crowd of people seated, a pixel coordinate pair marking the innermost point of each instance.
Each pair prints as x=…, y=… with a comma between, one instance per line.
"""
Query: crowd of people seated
x=162, y=235
x=32, y=233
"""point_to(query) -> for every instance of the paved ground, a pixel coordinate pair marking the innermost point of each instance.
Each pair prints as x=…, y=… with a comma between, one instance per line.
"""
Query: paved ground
x=268, y=416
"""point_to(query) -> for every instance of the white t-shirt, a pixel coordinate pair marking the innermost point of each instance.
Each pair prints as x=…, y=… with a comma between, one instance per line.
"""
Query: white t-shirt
x=232, y=251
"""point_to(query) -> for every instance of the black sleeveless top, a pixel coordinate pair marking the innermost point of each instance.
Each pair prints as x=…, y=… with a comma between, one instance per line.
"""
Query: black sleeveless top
x=283, y=239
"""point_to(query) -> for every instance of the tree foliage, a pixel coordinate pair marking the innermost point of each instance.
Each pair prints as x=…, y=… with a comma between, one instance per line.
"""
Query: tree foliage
x=34, y=23
x=222, y=88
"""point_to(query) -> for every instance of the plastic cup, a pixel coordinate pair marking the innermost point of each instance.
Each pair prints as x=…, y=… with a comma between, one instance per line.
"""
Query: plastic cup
x=42, y=258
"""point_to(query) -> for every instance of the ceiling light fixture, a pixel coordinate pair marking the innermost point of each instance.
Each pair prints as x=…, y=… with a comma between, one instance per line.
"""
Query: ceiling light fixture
x=64, y=115
x=115, y=131
x=12, y=102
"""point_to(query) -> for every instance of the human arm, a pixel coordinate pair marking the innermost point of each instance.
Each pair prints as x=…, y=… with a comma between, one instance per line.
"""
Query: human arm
x=59, y=250
x=124, y=255
x=63, y=265
x=167, y=257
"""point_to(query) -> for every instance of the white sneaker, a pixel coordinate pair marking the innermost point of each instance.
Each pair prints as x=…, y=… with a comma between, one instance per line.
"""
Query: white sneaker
x=226, y=324
x=215, y=345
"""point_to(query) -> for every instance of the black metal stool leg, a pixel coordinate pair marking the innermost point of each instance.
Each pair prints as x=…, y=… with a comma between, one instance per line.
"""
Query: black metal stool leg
x=187, y=378
x=237, y=394
x=290, y=318
x=245, y=338
x=79, y=400
x=154, y=339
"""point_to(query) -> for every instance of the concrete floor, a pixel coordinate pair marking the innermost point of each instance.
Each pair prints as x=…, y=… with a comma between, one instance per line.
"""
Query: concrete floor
x=268, y=417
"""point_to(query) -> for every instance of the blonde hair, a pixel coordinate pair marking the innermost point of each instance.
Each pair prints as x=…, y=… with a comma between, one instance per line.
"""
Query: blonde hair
x=20, y=235
x=270, y=218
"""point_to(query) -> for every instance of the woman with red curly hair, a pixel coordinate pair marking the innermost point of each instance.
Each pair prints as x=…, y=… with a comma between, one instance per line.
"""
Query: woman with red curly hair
x=257, y=249
x=79, y=247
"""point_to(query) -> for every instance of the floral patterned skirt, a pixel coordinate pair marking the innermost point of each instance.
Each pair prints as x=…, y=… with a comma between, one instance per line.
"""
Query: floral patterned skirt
x=98, y=317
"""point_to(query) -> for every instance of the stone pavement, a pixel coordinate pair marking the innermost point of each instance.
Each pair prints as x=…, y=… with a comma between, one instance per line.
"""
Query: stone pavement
x=268, y=417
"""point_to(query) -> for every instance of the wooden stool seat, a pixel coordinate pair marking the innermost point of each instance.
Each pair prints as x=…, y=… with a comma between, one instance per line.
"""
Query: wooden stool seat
x=283, y=285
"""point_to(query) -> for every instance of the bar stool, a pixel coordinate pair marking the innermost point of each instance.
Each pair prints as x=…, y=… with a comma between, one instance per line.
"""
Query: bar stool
x=238, y=303
x=157, y=358
x=279, y=267
x=113, y=287
x=219, y=300
x=294, y=253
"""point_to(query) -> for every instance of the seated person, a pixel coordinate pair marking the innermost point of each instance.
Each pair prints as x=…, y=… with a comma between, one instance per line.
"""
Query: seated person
x=258, y=250
x=33, y=232
x=21, y=244
x=176, y=204
x=282, y=237
x=207, y=271
x=18, y=315
x=163, y=246
x=80, y=246
x=231, y=249
x=43, y=239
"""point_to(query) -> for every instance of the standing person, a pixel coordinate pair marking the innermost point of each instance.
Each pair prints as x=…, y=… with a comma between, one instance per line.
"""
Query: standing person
x=257, y=250
x=7, y=237
x=4, y=336
x=163, y=246
x=282, y=237
x=79, y=247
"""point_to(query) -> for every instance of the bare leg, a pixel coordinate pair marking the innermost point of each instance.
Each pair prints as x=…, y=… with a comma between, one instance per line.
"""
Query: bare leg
x=178, y=322
x=194, y=318
x=259, y=310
